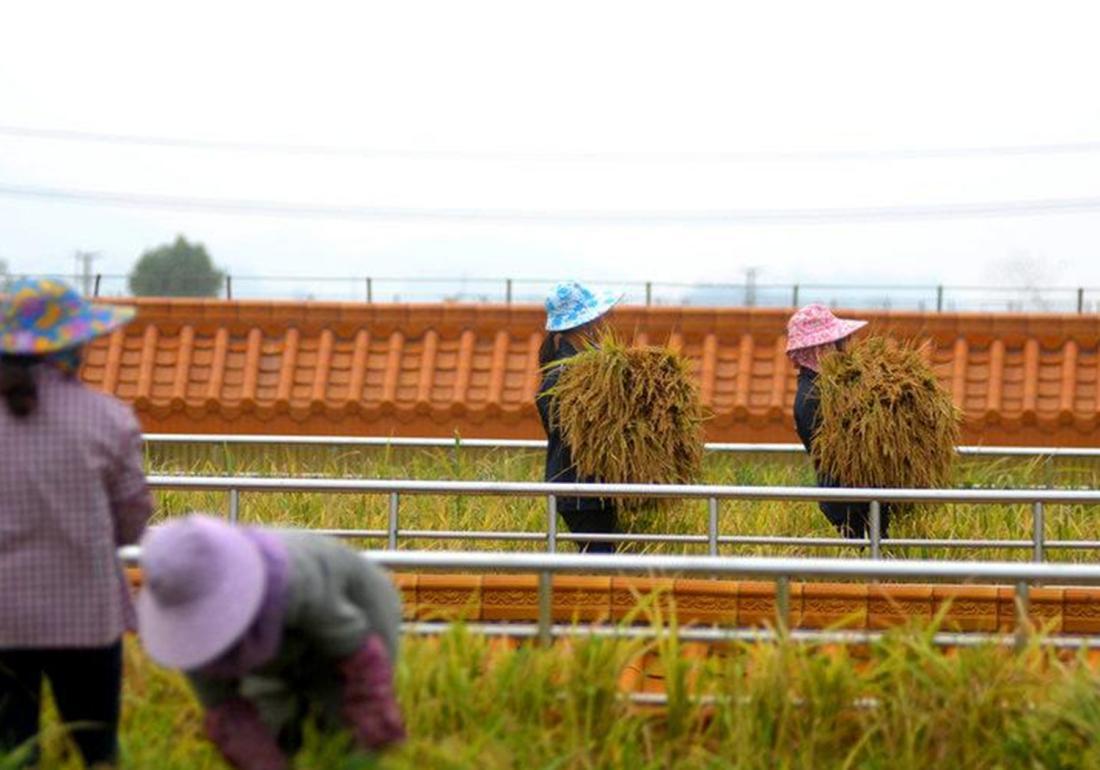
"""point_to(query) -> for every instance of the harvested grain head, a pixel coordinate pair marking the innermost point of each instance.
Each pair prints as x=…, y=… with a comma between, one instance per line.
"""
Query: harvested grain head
x=885, y=421
x=631, y=414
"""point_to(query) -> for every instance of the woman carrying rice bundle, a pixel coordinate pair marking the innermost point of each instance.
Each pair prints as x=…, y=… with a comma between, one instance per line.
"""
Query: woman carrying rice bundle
x=574, y=315
x=812, y=334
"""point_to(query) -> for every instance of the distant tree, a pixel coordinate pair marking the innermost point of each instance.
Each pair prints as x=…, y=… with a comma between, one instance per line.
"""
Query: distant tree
x=179, y=269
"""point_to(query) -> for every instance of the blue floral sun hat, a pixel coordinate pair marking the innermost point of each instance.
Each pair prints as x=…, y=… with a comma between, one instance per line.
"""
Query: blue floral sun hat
x=41, y=316
x=571, y=304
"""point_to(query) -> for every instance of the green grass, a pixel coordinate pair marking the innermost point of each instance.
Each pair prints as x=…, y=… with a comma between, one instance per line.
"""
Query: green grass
x=340, y=511
x=470, y=704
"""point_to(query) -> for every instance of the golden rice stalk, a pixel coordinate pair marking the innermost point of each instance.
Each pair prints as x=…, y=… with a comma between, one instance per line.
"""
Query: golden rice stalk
x=631, y=414
x=885, y=421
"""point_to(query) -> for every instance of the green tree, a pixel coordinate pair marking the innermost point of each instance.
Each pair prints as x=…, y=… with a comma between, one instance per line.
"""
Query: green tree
x=178, y=269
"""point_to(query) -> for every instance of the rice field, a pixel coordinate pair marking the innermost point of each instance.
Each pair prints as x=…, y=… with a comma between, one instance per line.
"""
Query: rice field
x=343, y=511
x=472, y=703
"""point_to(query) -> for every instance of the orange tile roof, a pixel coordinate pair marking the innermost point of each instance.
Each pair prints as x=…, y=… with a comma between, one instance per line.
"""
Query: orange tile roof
x=214, y=366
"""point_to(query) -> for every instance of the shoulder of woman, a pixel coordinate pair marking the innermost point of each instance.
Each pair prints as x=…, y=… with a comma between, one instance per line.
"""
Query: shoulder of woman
x=317, y=561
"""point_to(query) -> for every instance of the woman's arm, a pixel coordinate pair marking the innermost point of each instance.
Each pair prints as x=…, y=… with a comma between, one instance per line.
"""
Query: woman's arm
x=127, y=490
x=544, y=402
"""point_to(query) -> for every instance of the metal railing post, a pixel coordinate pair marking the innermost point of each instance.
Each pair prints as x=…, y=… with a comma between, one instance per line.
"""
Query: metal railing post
x=370, y=291
x=1022, y=623
x=95, y=289
x=712, y=526
x=876, y=529
x=1038, y=527
x=508, y=291
x=551, y=524
x=648, y=293
x=782, y=603
x=546, y=579
x=391, y=524
x=794, y=296
x=1080, y=301
x=234, y=506
x=228, y=286
x=939, y=299
x=546, y=603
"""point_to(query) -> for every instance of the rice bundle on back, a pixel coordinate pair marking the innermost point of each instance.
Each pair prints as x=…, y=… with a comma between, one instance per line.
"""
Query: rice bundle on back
x=631, y=415
x=885, y=419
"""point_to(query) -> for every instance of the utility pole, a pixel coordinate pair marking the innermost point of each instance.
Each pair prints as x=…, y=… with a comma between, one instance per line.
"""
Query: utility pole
x=750, y=286
x=85, y=275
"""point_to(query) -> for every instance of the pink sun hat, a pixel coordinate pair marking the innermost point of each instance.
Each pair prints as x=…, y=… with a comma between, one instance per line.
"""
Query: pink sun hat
x=204, y=580
x=816, y=325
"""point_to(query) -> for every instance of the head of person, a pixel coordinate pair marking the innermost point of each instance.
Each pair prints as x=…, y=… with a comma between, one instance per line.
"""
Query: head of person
x=43, y=322
x=814, y=332
x=574, y=310
x=204, y=582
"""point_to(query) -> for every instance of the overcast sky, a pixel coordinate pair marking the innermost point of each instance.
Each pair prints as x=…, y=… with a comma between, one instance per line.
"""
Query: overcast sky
x=562, y=110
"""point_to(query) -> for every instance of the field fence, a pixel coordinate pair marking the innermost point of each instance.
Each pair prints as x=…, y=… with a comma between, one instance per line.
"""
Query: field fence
x=712, y=535
x=779, y=570
x=410, y=442
x=516, y=290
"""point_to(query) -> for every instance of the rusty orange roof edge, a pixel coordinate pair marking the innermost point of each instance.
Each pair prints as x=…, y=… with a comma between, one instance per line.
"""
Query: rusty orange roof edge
x=256, y=366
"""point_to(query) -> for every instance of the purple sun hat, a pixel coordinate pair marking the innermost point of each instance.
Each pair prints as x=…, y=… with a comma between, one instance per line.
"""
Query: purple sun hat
x=203, y=584
x=40, y=316
x=571, y=304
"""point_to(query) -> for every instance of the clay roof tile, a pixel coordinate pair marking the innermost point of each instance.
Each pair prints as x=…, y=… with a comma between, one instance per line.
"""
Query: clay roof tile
x=270, y=367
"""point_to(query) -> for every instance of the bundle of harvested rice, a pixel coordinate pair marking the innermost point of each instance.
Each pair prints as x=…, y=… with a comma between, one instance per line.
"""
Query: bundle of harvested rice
x=885, y=421
x=631, y=415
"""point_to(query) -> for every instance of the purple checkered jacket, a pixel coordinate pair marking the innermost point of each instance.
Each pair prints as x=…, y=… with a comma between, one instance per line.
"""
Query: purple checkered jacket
x=72, y=489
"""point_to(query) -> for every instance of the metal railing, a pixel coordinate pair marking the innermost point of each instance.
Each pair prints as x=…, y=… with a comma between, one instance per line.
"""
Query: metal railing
x=780, y=570
x=713, y=538
x=749, y=293
x=537, y=444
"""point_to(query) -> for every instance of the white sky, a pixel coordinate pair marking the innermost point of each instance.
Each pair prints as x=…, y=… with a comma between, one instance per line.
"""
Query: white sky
x=539, y=79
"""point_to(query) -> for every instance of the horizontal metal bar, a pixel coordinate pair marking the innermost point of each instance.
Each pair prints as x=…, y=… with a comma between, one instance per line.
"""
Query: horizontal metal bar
x=768, y=567
x=747, y=566
x=808, y=542
x=597, y=537
x=506, y=535
x=685, y=491
x=342, y=441
x=717, y=635
x=450, y=534
x=342, y=533
x=944, y=543
x=496, y=443
x=814, y=542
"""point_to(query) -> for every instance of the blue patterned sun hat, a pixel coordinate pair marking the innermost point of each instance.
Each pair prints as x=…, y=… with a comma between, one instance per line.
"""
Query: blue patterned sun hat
x=41, y=315
x=571, y=304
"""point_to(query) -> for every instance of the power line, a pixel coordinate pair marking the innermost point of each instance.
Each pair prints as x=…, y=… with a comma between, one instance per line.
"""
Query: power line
x=717, y=217
x=611, y=156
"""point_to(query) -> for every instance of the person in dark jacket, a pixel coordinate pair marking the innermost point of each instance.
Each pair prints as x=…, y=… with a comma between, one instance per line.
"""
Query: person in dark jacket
x=812, y=333
x=573, y=314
